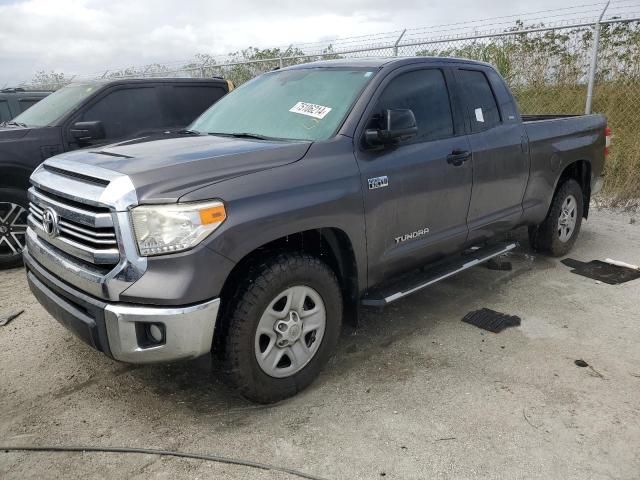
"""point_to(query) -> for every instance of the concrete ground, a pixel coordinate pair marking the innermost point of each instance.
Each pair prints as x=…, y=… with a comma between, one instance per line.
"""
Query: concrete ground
x=413, y=393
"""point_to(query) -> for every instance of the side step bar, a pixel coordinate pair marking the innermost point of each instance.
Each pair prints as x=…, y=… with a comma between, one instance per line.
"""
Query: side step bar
x=416, y=281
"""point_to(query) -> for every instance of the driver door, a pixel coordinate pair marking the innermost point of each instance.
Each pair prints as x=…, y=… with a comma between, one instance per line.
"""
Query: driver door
x=416, y=198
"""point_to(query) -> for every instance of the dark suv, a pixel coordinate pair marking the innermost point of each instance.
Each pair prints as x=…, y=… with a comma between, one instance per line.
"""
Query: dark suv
x=89, y=114
x=14, y=101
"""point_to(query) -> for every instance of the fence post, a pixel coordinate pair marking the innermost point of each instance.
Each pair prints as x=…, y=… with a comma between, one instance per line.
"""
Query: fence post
x=395, y=45
x=594, y=61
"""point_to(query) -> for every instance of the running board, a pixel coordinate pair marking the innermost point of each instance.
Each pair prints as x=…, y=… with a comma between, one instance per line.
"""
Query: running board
x=413, y=282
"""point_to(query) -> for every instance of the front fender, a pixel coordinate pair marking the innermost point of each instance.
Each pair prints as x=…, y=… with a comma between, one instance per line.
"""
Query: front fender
x=323, y=190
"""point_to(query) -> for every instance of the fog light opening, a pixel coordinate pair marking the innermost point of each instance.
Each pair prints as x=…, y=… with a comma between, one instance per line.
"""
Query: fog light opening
x=155, y=333
x=150, y=334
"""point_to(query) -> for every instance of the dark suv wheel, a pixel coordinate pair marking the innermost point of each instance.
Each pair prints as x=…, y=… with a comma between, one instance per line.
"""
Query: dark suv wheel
x=559, y=231
x=14, y=208
x=281, y=328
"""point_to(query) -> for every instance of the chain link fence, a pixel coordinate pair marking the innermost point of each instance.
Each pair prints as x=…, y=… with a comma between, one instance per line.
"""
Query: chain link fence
x=548, y=67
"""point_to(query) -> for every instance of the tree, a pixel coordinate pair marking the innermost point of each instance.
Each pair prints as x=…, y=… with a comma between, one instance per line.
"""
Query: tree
x=49, y=80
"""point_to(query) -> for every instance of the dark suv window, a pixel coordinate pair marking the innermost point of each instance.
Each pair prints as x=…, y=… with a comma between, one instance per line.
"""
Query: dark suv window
x=127, y=112
x=26, y=103
x=5, y=114
x=479, y=99
x=184, y=103
x=425, y=93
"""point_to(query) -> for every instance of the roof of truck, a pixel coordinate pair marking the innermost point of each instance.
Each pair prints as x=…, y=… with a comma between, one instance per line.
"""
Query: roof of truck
x=379, y=62
x=120, y=81
x=24, y=92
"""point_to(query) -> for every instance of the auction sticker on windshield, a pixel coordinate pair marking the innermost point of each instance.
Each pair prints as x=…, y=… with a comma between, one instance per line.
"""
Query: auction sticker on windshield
x=310, y=109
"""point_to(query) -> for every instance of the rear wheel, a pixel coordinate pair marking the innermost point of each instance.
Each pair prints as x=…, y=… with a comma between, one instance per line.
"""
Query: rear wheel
x=559, y=231
x=14, y=208
x=281, y=328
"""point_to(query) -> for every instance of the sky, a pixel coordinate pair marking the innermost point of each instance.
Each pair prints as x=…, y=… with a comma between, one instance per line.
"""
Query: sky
x=87, y=36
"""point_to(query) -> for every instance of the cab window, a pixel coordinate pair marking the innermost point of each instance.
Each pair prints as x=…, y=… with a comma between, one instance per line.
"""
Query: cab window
x=425, y=93
x=482, y=108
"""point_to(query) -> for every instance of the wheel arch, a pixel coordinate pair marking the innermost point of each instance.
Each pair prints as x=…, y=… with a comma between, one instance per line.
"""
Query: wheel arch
x=580, y=171
x=14, y=176
x=331, y=245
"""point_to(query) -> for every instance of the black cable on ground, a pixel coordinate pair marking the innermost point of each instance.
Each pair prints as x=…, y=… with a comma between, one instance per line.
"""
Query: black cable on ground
x=152, y=451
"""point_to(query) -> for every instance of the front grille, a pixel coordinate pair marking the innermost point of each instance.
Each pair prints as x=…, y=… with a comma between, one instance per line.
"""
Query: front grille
x=83, y=231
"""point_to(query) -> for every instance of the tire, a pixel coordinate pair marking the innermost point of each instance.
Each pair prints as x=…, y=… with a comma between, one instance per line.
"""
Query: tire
x=248, y=329
x=14, y=208
x=559, y=231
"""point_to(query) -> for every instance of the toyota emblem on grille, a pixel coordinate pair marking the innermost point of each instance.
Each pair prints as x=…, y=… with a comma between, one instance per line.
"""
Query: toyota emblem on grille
x=50, y=222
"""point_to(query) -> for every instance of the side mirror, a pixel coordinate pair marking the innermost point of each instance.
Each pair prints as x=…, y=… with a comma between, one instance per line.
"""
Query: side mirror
x=400, y=126
x=84, y=132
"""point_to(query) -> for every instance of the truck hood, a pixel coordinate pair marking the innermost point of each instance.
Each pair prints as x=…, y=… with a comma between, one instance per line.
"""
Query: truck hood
x=164, y=168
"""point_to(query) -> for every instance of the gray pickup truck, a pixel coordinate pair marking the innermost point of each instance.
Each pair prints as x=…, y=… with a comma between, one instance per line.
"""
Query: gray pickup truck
x=301, y=195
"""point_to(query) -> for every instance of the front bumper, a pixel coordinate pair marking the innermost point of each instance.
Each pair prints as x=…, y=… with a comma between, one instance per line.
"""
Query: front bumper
x=118, y=329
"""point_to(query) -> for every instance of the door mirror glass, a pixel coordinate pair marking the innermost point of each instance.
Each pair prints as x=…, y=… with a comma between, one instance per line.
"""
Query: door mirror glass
x=84, y=132
x=400, y=125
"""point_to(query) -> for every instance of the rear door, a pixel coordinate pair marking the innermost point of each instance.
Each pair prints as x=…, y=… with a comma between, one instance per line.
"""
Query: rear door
x=500, y=157
x=182, y=103
x=416, y=201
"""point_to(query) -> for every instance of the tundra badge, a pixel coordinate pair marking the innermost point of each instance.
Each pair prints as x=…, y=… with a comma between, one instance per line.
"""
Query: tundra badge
x=412, y=235
x=378, y=182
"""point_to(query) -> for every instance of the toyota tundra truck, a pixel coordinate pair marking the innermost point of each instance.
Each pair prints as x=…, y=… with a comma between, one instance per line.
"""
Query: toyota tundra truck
x=296, y=198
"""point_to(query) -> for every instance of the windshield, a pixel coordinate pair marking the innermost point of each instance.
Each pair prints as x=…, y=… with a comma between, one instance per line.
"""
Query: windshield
x=49, y=110
x=305, y=104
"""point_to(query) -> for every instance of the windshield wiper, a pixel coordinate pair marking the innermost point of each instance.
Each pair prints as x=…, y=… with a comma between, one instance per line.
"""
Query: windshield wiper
x=17, y=124
x=186, y=131
x=242, y=135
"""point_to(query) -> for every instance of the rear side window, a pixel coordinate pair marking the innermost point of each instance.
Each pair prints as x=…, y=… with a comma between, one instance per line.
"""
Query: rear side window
x=5, y=114
x=425, y=93
x=184, y=103
x=127, y=112
x=479, y=99
x=26, y=103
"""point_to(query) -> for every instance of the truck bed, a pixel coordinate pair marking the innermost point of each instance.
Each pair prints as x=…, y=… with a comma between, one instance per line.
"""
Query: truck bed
x=557, y=140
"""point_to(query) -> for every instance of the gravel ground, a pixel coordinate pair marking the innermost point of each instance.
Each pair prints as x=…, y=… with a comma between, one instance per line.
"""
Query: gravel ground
x=413, y=392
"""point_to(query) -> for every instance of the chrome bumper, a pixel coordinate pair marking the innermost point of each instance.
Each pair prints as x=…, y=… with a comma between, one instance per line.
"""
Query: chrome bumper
x=188, y=331
x=118, y=329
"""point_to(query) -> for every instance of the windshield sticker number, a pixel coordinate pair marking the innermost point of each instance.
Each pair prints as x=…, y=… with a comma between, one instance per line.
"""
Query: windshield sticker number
x=479, y=115
x=310, y=109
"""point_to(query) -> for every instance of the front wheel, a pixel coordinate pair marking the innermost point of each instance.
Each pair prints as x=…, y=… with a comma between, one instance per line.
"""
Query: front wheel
x=281, y=328
x=559, y=231
x=14, y=208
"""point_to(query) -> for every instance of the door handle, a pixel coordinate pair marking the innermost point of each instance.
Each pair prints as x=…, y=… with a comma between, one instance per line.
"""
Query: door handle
x=458, y=157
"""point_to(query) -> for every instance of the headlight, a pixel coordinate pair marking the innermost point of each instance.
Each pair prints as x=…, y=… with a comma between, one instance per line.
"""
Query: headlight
x=161, y=229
